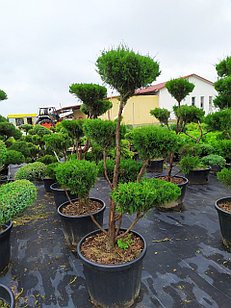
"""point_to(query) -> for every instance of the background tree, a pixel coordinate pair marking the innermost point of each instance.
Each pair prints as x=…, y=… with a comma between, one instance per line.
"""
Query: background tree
x=125, y=71
x=161, y=114
x=3, y=95
x=223, y=85
x=92, y=97
x=8, y=130
x=74, y=129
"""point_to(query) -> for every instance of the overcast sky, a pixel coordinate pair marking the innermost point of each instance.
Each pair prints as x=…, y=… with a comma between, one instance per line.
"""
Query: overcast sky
x=46, y=45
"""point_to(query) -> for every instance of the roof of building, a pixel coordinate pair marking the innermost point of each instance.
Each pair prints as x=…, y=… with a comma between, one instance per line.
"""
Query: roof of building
x=157, y=87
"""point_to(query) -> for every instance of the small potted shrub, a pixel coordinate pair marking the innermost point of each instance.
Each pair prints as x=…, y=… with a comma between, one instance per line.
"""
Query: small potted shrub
x=223, y=207
x=32, y=172
x=215, y=162
x=6, y=297
x=83, y=215
x=3, y=151
x=196, y=172
x=113, y=275
x=15, y=197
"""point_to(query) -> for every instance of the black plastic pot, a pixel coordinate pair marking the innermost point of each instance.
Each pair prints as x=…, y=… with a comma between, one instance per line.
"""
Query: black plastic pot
x=198, y=177
x=225, y=222
x=155, y=165
x=75, y=227
x=47, y=184
x=7, y=296
x=177, y=205
x=113, y=285
x=5, y=246
x=59, y=194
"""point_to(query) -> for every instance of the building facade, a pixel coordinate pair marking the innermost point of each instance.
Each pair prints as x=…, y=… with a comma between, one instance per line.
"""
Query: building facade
x=137, y=109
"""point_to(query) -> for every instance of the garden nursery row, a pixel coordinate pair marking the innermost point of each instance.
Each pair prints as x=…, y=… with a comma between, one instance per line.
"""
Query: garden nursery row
x=96, y=213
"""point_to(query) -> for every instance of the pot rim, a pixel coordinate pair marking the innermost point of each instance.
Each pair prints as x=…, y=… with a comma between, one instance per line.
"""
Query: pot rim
x=218, y=208
x=108, y=267
x=81, y=216
x=198, y=170
x=9, y=226
x=57, y=189
x=176, y=176
x=10, y=293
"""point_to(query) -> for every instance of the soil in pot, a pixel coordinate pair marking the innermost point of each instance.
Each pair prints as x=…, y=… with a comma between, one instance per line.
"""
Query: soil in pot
x=95, y=250
x=225, y=206
x=75, y=209
x=177, y=205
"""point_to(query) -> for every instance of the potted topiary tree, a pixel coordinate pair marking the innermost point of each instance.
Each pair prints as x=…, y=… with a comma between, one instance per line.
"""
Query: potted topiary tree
x=125, y=71
x=83, y=215
x=49, y=177
x=196, y=171
x=223, y=207
x=15, y=197
x=214, y=161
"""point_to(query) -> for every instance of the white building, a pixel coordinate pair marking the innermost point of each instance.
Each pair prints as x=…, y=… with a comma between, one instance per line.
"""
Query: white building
x=202, y=95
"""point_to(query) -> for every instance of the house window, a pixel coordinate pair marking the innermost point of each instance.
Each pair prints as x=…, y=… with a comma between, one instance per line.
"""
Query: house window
x=193, y=101
x=202, y=102
x=19, y=121
x=210, y=103
x=29, y=121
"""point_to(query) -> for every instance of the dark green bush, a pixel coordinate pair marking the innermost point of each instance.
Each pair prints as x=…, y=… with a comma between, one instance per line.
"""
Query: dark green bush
x=14, y=157
x=47, y=159
x=51, y=170
x=214, y=160
x=3, y=151
x=78, y=175
x=15, y=197
x=140, y=197
x=32, y=172
x=223, y=148
x=128, y=171
x=40, y=131
x=188, y=163
x=225, y=176
x=154, y=141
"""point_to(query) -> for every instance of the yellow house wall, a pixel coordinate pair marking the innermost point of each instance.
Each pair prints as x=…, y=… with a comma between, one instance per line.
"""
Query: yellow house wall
x=78, y=114
x=136, y=111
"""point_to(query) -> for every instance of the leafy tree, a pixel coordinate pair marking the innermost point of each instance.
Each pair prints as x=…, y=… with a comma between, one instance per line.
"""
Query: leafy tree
x=8, y=130
x=161, y=114
x=39, y=130
x=57, y=143
x=92, y=97
x=223, y=85
x=14, y=157
x=74, y=129
x=221, y=121
x=3, y=151
x=125, y=71
x=3, y=119
x=3, y=95
x=26, y=127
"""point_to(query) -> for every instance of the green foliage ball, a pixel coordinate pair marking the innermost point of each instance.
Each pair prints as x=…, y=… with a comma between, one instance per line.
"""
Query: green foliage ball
x=32, y=172
x=140, y=197
x=15, y=197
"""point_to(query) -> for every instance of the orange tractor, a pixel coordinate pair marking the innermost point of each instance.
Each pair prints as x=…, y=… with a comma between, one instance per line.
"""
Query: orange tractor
x=49, y=116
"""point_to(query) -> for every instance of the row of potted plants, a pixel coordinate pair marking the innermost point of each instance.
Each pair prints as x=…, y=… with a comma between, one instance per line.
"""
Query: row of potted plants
x=106, y=274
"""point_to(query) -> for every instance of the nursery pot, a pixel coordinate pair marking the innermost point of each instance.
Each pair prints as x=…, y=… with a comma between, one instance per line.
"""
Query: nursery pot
x=225, y=222
x=6, y=295
x=198, y=176
x=60, y=195
x=113, y=285
x=47, y=183
x=178, y=204
x=155, y=165
x=75, y=227
x=5, y=246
